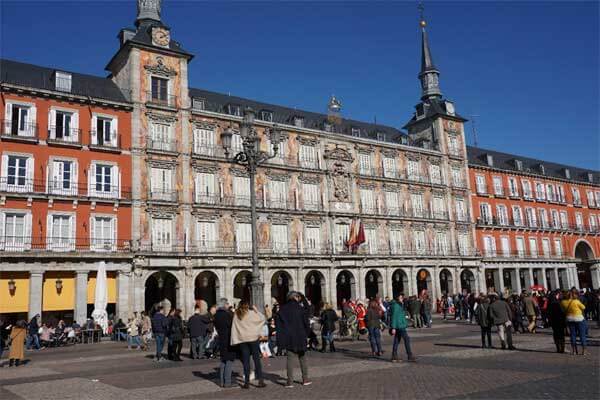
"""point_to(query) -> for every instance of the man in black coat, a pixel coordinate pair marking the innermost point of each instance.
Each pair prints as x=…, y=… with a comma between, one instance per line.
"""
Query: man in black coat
x=198, y=328
x=293, y=329
x=223, y=320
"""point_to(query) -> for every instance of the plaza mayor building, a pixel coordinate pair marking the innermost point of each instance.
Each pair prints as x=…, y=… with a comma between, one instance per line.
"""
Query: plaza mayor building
x=131, y=170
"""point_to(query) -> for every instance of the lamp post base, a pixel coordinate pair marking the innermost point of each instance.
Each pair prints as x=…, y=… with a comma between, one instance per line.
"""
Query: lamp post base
x=257, y=293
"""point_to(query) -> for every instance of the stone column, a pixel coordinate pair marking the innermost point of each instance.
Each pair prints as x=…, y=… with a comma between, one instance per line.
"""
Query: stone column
x=575, y=277
x=517, y=280
x=81, y=281
x=530, y=278
x=500, y=287
x=332, y=286
x=595, y=270
x=228, y=284
x=557, y=282
x=267, y=288
x=544, y=280
x=435, y=283
x=388, y=289
x=36, y=280
x=411, y=281
x=123, y=288
x=360, y=284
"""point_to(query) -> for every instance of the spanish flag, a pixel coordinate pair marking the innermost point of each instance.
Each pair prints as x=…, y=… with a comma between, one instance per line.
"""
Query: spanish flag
x=356, y=236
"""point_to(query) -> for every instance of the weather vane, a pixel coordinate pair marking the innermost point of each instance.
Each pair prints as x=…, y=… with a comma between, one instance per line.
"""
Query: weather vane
x=421, y=8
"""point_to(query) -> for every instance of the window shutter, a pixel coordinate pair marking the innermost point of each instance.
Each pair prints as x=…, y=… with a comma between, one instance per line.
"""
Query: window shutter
x=2, y=238
x=49, y=231
x=32, y=120
x=92, y=179
x=51, y=123
x=94, y=135
x=29, y=165
x=118, y=176
x=114, y=131
x=8, y=118
x=93, y=238
x=75, y=126
x=27, y=232
x=72, y=231
x=3, y=171
x=75, y=178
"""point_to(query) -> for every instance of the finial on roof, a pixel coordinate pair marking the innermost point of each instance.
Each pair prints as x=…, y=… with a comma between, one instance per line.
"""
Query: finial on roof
x=148, y=10
x=429, y=73
x=421, y=8
x=334, y=105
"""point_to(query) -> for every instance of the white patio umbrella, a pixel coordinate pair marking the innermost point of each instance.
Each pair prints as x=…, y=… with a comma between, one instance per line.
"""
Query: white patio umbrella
x=101, y=298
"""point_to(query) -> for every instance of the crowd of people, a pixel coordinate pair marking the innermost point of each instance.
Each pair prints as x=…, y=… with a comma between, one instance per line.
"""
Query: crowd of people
x=232, y=332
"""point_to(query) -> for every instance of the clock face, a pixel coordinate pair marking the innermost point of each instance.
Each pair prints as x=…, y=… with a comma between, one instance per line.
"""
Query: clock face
x=160, y=37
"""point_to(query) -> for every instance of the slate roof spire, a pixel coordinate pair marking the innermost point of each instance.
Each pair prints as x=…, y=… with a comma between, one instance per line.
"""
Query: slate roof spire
x=429, y=75
x=148, y=11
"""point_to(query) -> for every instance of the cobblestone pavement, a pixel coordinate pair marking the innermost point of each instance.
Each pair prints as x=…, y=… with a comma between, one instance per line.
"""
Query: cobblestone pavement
x=450, y=366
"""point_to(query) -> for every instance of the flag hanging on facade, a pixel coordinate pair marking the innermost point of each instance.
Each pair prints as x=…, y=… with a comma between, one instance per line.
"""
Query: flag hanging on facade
x=356, y=235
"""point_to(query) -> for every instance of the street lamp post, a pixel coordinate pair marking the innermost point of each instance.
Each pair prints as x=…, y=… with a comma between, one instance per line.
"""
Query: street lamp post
x=251, y=157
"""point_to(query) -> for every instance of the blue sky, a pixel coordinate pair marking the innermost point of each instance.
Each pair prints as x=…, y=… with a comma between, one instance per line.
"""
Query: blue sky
x=528, y=70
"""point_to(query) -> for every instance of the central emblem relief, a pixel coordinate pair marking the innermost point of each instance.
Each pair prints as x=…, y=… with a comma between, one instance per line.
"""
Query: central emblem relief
x=339, y=161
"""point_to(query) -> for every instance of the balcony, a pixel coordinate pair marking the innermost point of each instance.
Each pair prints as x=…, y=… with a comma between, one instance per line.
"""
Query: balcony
x=99, y=141
x=26, y=187
x=15, y=184
x=164, y=195
x=207, y=151
x=418, y=178
x=161, y=145
x=280, y=204
x=522, y=254
x=64, y=136
x=22, y=132
x=20, y=244
x=105, y=191
x=161, y=100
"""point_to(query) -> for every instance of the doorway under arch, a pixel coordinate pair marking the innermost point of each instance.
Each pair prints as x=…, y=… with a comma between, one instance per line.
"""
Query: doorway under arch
x=345, y=287
x=467, y=281
x=399, y=283
x=373, y=284
x=281, y=282
x=585, y=256
x=423, y=281
x=446, y=282
x=241, y=286
x=160, y=286
x=206, y=287
x=314, y=287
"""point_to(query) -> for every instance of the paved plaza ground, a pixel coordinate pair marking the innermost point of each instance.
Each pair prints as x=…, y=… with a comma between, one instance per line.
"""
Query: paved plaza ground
x=450, y=366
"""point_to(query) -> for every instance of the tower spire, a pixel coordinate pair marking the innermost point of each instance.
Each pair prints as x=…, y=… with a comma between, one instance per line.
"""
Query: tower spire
x=429, y=75
x=148, y=10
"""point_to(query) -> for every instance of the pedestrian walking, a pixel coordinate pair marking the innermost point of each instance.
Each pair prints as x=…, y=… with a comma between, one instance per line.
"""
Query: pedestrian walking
x=398, y=327
x=500, y=314
x=426, y=307
x=17, y=339
x=328, y=319
x=573, y=309
x=223, y=321
x=176, y=335
x=198, y=329
x=159, y=329
x=373, y=319
x=246, y=329
x=293, y=329
x=33, y=334
x=483, y=319
x=557, y=321
x=529, y=306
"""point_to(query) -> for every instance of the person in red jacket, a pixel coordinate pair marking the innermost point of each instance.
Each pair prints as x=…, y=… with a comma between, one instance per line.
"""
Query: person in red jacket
x=361, y=312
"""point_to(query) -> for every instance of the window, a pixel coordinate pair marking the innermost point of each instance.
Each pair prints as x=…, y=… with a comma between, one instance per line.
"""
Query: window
x=198, y=104
x=489, y=246
x=62, y=81
x=396, y=241
x=576, y=196
x=485, y=212
x=104, y=131
x=546, y=247
x=517, y=216
x=420, y=244
x=266, y=116
x=558, y=247
x=381, y=136
x=161, y=138
x=16, y=173
x=206, y=188
x=63, y=126
x=513, y=187
x=103, y=235
x=453, y=145
x=564, y=220
x=439, y=208
x=310, y=196
x=15, y=231
x=342, y=233
x=597, y=199
x=19, y=120
x=308, y=156
x=540, y=191
x=364, y=164
x=531, y=217
x=61, y=232
x=505, y=244
x=457, y=179
x=207, y=235
x=392, y=203
x=278, y=193
x=367, y=201
x=544, y=218
x=299, y=122
x=579, y=221
x=533, y=249
x=161, y=184
x=241, y=191
x=527, y=189
x=327, y=127
x=281, y=146
x=441, y=243
x=416, y=200
x=502, y=212
x=480, y=184
x=592, y=223
x=243, y=237
x=160, y=90
x=371, y=239
x=520, y=246
x=590, y=199
x=498, y=189
x=104, y=181
x=312, y=242
x=413, y=170
x=561, y=194
x=389, y=167
x=551, y=192
x=237, y=143
x=204, y=141
x=162, y=234
x=435, y=174
x=234, y=109
x=461, y=212
x=62, y=178
x=355, y=132
x=463, y=243
x=555, y=219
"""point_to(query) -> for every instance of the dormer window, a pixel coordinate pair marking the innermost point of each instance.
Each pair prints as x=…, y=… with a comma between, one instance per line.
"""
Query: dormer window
x=420, y=111
x=590, y=177
x=299, y=122
x=519, y=165
x=381, y=136
x=266, y=116
x=198, y=103
x=567, y=173
x=542, y=169
x=489, y=159
x=234, y=109
x=62, y=81
x=355, y=132
x=327, y=127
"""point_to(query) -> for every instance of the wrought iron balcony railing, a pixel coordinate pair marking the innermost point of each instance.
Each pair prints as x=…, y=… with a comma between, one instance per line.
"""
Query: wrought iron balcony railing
x=21, y=244
x=159, y=99
x=25, y=186
x=18, y=130
x=63, y=135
